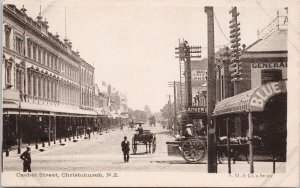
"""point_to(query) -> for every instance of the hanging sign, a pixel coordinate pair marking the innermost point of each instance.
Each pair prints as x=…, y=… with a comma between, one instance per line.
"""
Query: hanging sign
x=197, y=109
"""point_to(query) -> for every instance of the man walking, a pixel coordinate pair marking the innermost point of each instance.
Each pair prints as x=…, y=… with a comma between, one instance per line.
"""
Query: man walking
x=125, y=148
x=26, y=160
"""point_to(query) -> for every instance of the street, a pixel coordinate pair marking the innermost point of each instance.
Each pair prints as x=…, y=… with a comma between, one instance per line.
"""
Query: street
x=103, y=153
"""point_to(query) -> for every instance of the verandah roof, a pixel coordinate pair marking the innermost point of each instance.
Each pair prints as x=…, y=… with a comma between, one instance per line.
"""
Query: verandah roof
x=253, y=100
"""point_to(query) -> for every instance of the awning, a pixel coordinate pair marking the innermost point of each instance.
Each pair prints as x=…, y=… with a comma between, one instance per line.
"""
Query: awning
x=55, y=109
x=114, y=116
x=100, y=111
x=253, y=100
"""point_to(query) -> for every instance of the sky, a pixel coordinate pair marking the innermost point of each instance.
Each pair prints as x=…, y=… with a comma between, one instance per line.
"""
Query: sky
x=132, y=43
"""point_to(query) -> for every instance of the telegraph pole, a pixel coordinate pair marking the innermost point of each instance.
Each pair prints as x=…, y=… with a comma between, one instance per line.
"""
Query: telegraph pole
x=236, y=63
x=175, y=106
x=169, y=118
x=184, y=52
x=211, y=93
x=175, y=111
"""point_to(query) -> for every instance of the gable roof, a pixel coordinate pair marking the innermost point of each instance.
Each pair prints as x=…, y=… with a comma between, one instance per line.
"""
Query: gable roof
x=275, y=42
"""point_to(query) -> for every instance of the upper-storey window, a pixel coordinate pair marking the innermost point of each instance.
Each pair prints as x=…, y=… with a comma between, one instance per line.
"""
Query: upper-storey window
x=19, y=45
x=34, y=52
x=7, y=36
x=39, y=55
x=44, y=57
x=51, y=61
x=55, y=63
x=47, y=62
x=28, y=49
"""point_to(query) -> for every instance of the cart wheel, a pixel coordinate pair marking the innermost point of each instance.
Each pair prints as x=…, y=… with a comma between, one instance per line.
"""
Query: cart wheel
x=134, y=146
x=193, y=150
x=154, y=145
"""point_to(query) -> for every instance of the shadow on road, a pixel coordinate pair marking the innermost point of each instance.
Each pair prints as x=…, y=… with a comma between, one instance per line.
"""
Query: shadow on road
x=166, y=132
x=118, y=163
x=175, y=162
x=144, y=153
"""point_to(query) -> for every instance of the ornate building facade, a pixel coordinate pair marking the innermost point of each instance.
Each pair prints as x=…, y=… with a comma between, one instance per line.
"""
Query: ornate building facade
x=47, y=88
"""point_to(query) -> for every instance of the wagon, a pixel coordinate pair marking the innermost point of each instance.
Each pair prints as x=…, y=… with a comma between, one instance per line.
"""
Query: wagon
x=146, y=138
x=192, y=149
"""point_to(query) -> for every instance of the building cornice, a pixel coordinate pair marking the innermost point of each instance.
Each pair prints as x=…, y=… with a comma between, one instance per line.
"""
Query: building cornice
x=54, y=42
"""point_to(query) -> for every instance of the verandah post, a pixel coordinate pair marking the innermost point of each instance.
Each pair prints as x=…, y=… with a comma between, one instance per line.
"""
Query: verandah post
x=250, y=132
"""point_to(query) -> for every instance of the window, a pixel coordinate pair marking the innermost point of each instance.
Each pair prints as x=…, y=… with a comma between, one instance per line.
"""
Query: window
x=28, y=49
x=271, y=75
x=50, y=60
x=34, y=52
x=7, y=36
x=19, y=43
x=7, y=74
x=29, y=83
x=55, y=63
x=40, y=87
x=39, y=55
x=34, y=86
x=44, y=57
x=48, y=89
x=47, y=59
x=44, y=88
x=18, y=79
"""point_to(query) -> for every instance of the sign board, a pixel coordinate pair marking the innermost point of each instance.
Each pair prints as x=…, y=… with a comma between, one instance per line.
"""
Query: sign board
x=264, y=93
x=196, y=109
x=269, y=65
x=199, y=75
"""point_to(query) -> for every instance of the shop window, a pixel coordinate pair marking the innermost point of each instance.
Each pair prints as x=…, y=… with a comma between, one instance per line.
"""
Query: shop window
x=270, y=76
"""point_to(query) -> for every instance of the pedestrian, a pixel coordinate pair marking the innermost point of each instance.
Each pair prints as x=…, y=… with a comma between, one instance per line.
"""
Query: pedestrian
x=26, y=160
x=125, y=148
x=88, y=131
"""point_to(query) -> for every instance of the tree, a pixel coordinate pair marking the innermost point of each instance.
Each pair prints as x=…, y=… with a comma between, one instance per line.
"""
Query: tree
x=167, y=112
x=147, y=111
x=137, y=115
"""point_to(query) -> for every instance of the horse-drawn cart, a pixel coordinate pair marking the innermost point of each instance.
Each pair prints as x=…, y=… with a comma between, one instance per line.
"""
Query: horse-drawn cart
x=146, y=138
x=193, y=149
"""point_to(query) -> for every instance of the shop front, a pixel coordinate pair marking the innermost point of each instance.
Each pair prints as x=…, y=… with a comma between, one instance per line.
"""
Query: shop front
x=255, y=120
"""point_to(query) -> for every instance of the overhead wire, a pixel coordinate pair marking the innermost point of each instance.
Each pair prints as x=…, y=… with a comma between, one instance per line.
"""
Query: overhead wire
x=221, y=28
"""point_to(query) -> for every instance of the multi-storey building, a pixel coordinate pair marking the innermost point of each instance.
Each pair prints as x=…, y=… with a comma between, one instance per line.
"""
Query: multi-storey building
x=44, y=81
x=87, y=85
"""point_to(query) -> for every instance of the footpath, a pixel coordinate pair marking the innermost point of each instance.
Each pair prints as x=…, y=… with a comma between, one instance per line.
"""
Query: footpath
x=13, y=151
